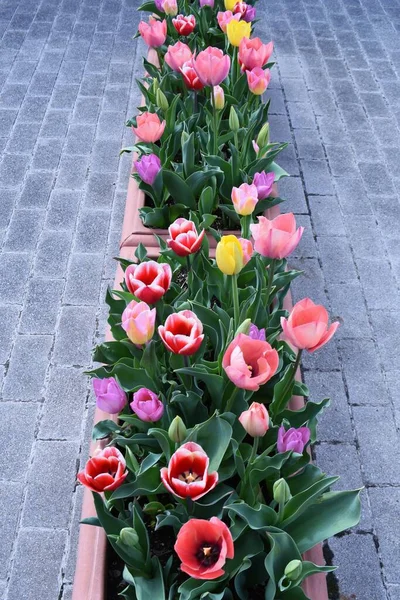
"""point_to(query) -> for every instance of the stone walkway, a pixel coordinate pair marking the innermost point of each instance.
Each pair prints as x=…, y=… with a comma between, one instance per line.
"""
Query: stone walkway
x=67, y=72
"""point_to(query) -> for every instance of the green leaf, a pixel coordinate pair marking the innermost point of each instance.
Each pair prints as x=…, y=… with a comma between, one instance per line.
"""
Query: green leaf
x=104, y=429
x=151, y=587
x=148, y=482
x=283, y=550
x=213, y=382
x=179, y=189
x=299, y=503
x=214, y=437
x=258, y=518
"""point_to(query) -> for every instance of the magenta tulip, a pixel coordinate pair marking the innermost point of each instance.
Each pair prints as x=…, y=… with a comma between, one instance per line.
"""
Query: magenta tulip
x=148, y=168
x=110, y=397
x=264, y=182
x=293, y=439
x=147, y=405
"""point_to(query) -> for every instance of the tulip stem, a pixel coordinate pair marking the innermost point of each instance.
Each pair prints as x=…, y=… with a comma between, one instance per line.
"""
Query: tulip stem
x=188, y=267
x=245, y=223
x=252, y=456
x=231, y=399
x=215, y=123
x=253, y=451
x=271, y=274
x=235, y=296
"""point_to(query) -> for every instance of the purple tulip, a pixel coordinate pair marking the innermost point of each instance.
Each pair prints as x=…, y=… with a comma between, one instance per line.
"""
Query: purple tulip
x=148, y=167
x=147, y=405
x=256, y=334
x=264, y=182
x=250, y=14
x=293, y=439
x=109, y=396
x=159, y=5
x=207, y=3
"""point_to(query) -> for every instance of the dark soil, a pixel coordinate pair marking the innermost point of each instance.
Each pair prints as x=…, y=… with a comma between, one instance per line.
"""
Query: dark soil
x=115, y=567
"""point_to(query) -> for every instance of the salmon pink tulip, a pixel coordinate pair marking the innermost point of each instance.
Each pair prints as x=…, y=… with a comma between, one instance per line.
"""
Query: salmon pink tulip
x=139, y=321
x=154, y=33
x=255, y=420
x=149, y=128
x=110, y=397
x=105, y=471
x=190, y=77
x=258, y=80
x=293, y=439
x=183, y=237
x=182, y=333
x=203, y=547
x=212, y=66
x=249, y=363
x=253, y=53
x=184, y=25
x=247, y=248
x=170, y=7
x=147, y=406
x=276, y=238
x=187, y=473
x=307, y=328
x=224, y=17
x=177, y=55
x=244, y=199
x=264, y=183
x=148, y=168
x=149, y=280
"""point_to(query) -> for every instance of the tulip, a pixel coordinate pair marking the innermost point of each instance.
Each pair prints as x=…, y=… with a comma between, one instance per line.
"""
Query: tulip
x=148, y=168
x=159, y=5
x=177, y=55
x=110, y=397
x=154, y=33
x=258, y=80
x=212, y=66
x=256, y=334
x=281, y=492
x=187, y=473
x=276, y=238
x=161, y=100
x=293, y=570
x=203, y=547
x=249, y=363
x=190, y=77
x=244, y=198
x=293, y=439
x=170, y=7
x=209, y=3
x=226, y=17
x=229, y=255
x=256, y=147
x=253, y=53
x=139, y=321
x=263, y=136
x=240, y=8
x=182, y=333
x=128, y=537
x=247, y=249
x=184, y=238
x=105, y=471
x=237, y=30
x=149, y=280
x=219, y=97
x=149, y=128
x=250, y=14
x=184, y=25
x=147, y=406
x=255, y=420
x=230, y=4
x=264, y=182
x=177, y=430
x=234, y=124
x=306, y=328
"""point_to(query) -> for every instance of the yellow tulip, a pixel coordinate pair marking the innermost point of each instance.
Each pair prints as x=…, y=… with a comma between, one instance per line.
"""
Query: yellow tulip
x=229, y=255
x=237, y=30
x=230, y=4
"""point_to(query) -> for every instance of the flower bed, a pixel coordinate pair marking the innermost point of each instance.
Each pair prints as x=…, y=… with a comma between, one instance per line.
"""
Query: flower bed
x=205, y=487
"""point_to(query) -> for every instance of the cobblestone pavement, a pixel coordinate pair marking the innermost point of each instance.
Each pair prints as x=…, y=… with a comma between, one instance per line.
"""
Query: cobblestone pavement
x=67, y=75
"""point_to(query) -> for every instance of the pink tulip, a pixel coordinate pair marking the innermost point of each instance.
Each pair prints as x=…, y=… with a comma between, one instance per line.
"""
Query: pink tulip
x=253, y=53
x=170, y=7
x=264, y=183
x=276, y=238
x=110, y=397
x=149, y=128
x=147, y=405
x=226, y=17
x=187, y=474
x=244, y=198
x=247, y=249
x=258, y=80
x=306, y=328
x=148, y=168
x=255, y=420
x=182, y=333
x=183, y=237
x=256, y=147
x=293, y=439
x=249, y=363
x=139, y=321
x=207, y=3
x=212, y=66
x=177, y=55
x=154, y=33
x=149, y=280
x=219, y=97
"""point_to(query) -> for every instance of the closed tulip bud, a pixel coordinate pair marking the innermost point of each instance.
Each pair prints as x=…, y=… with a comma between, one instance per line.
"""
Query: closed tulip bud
x=219, y=97
x=234, y=124
x=177, y=430
x=161, y=100
x=128, y=536
x=155, y=85
x=263, y=136
x=293, y=570
x=244, y=327
x=281, y=491
x=229, y=255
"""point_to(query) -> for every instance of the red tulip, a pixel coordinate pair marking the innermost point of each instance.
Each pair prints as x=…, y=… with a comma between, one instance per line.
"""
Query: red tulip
x=105, y=471
x=187, y=473
x=203, y=547
x=149, y=280
x=184, y=239
x=190, y=77
x=184, y=25
x=307, y=326
x=249, y=363
x=182, y=333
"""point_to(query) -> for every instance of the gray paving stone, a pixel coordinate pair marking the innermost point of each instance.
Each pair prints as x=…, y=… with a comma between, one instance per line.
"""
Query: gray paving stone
x=291, y=189
x=63, y=209
x=75, y=336
x=9, y=316
x=39, y=554
x=83, y=280
x=52, y=253
x=36, y=190
x=14, y=273
x=55, y=123
x=18, y=441
x=23, y=138
x=301, y=286
x=72, y=172
x=10, y=507
x=385, y=503
x=80, y=139
x=326, y=216
x=92, y=231
x=100, y=190
x=12, y=170
x=24, y=230
x=317, y=177
x=394, y=592
x=25, y=377
x=42, y=306
x=378, y=283
x=64, y=95
x=385, y=325
x=337, y=261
